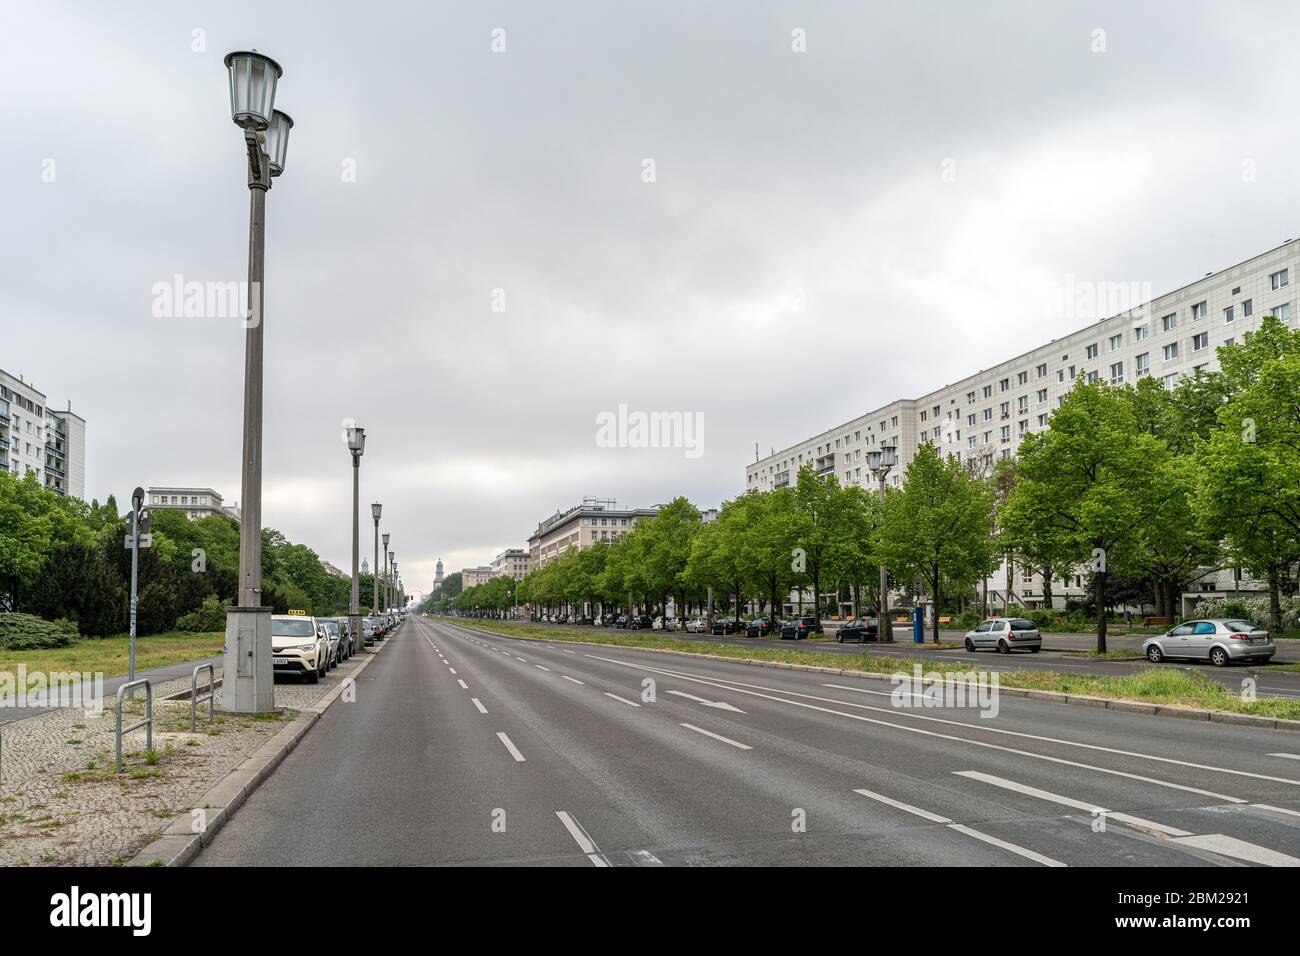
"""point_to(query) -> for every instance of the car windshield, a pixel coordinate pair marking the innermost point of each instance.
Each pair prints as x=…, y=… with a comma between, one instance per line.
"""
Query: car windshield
x=1239, y=626
x=292, y=628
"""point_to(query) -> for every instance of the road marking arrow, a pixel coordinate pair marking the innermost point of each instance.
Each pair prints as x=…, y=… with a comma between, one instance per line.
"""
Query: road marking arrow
x=719, y=704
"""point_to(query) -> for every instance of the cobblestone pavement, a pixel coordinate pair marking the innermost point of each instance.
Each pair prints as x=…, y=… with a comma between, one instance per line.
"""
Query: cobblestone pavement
x=62, y=804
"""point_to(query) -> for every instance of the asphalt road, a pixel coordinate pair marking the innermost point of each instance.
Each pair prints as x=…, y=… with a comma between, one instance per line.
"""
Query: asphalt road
x=465, y=747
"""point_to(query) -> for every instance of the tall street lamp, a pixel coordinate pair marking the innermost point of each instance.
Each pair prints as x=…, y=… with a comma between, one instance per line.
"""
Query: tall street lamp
x=356, y=445
x=392, y=575
x=248, y=675
x=387, y=603
x=375, y=510
x=880, y=461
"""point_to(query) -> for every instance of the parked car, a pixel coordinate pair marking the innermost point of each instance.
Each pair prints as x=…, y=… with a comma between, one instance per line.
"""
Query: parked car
x=621, y=621
x=670, y=624
x=1005, y=634
x=725, y=625
x=640, y=622
x=800, y=628
x=346, y=645
x=299, y=645
x=1219, y=641
x=696, y=625
x=860, y=629
x=335, y=637
x=369, y=630
x=758, y=627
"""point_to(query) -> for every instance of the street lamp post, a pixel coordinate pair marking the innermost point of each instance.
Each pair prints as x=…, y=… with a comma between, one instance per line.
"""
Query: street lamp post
x=375, y=510
x=356, y=445
x=880, y=461
x=248, y=678
x=387, y=602
x=392, y=574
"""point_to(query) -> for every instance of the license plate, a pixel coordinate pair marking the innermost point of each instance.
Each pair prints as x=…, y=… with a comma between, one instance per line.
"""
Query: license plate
x=281, y=660
x=1258, y=640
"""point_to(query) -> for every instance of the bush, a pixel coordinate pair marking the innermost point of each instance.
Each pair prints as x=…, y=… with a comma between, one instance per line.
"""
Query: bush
x=1253, y=609
x=968, y=620
x=210, y=616
x=26, y=632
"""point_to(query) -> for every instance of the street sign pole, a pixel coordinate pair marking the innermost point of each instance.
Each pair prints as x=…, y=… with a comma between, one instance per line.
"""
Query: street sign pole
x=135, y=584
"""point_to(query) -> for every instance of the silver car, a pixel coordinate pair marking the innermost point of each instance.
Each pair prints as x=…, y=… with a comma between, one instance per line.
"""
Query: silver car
x=1220, y=641
x=1005, y=634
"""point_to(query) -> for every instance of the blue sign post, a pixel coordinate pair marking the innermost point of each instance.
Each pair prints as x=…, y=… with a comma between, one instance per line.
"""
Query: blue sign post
x=918, y=625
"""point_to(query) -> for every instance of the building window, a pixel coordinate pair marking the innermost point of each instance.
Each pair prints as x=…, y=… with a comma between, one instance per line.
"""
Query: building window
x=1200, y=310
x=1117, y=342
x=1227, y=314
x=1117, y=373
x=1004, y=385
x=1042, y=395
x=1171, y=351
x=1092, y=377
x=988, y=391
x=988, y=414
x=1169, y=322
x=1091, y=352
x=1022, y=378
x=1283, y=311
x=1041, y=371
x=1140, y=332
x=1142, y=364
x=1200, y=341
x=970, y=419
x=1247, y=308
x=1278, y=279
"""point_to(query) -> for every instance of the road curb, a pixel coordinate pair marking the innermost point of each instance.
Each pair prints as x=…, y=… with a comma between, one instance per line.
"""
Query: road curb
x=179, y=844
x=1051, y=696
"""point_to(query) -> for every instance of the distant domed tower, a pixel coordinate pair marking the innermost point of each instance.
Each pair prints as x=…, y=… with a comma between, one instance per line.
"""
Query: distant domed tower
x=365, y=566
x=437, y=574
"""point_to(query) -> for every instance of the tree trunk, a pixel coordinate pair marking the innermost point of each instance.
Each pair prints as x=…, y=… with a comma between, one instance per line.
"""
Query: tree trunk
x=1274, y=598
x=935, y=595
x=1099, y=582
x=1047, y=589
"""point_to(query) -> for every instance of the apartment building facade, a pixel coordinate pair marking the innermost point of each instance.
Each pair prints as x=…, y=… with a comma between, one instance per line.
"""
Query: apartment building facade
x=36, y=438
x=512, y=562
x=473, y=577
x=985, y=415
x=195, y=502
x=596, y=519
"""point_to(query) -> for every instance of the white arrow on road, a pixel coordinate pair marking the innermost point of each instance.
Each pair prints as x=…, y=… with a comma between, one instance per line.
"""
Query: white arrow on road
x=720, y=704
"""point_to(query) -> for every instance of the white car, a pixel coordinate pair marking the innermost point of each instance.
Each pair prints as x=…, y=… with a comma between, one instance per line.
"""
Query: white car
x=299, y=645
x=1219, y=641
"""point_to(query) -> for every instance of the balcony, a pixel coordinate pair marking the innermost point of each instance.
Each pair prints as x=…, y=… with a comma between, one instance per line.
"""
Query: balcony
x=4, y=442
x=53, y=469
x=781, y=479
x=53, y=449
x=825, y=465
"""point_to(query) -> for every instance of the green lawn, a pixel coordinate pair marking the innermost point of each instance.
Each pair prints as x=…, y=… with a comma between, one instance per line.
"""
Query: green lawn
x=110, y=655
x=1153, y=685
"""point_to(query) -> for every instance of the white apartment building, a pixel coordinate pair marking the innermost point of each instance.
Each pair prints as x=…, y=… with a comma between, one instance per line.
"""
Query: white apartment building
x=596, y=519
x=512, y=562
x=195, y=502
x=40, y=439
x=985, y=415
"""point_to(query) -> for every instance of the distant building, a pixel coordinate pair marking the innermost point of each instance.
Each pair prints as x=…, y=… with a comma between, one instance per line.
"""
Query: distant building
x=437, y=576
x=37, y=438
x=333, y=571
x=596, y=519
x=472, y=577
x=512, y=562
x=195, y=502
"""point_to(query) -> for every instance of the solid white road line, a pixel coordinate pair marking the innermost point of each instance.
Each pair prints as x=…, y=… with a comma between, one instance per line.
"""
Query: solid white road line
x=463, y=685
x=1287, y=756
x=926, y=814
x=622, y=700
x=725, y=740
x=1003, y=844
x=1238, y=849
x=514, y=751
x=479, y=704
x=1091, y=808
x=541, y=668
x=574, y=679
x=585, y=843
x=738, y=687
x=984, y=837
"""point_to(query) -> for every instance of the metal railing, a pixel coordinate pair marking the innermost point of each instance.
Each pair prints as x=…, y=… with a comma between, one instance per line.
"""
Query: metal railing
x=210, y=696
x=147, y=723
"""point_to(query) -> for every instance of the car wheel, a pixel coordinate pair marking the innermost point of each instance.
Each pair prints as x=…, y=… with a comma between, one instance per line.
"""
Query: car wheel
x=1004, y=647
x=313, y=677
x=1035, y=650
x=1219, y=657
x=1154, y=654
x=970, y=646
x=839, y=638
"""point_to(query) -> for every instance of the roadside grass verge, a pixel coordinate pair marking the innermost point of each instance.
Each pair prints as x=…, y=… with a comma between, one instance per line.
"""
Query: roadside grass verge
x=111, y=655
x=1124, y=654
x=1152, y=685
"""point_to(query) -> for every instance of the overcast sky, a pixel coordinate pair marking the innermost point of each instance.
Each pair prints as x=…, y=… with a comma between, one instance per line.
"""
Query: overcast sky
x=919, y=181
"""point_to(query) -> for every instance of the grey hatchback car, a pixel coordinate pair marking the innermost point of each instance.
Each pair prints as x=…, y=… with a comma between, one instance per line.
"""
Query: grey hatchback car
x=1219, y=641
x=1005, y=634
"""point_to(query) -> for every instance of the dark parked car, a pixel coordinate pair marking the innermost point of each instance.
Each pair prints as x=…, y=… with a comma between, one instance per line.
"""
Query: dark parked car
x=800, y=628
x=641, y=622
x=860, y=629
x=725, y=625
x=621, y=621
x=758, y=627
